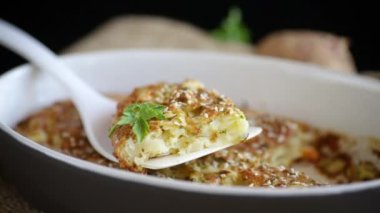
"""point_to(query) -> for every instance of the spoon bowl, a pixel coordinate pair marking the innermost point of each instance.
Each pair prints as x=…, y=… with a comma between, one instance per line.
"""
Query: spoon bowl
x=173, y=160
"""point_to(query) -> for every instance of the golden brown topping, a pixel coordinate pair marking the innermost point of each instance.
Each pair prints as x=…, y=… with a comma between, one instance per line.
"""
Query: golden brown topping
x=195, y=118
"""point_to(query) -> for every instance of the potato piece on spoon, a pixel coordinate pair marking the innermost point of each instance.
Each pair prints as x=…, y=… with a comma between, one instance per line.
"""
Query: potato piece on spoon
x=163, y=125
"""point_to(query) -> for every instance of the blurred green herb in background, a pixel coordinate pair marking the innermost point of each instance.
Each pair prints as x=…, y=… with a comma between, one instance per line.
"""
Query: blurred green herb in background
x=232, y=28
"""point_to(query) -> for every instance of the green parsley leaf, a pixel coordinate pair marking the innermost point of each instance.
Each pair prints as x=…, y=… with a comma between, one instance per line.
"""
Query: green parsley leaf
x=232, y=28
x=137, y=115
x=140, y=128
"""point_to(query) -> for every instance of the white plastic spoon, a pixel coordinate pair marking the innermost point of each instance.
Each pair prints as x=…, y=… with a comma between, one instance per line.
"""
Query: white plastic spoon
x=94, y=109
x=173, y=160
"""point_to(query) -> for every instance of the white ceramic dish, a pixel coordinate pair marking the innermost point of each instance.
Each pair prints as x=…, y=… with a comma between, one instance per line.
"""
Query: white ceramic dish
x=308, y=93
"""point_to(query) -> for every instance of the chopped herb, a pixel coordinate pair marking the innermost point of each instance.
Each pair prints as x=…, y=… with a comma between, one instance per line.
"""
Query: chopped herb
x=232, y=28
x=223, y=131
x=137, y=115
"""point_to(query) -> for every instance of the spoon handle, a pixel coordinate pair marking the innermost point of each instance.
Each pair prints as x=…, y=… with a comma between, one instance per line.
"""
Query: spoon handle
x=95, y=109
x=41, y=56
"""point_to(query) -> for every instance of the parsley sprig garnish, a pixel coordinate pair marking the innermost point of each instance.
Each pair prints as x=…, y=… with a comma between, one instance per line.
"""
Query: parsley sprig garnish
x=232, y=28
x=138, y=115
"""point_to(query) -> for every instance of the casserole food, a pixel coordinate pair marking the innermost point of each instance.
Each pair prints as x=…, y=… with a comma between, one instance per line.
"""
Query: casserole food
x=341, y=103
x=188, y=118
x=265, y=161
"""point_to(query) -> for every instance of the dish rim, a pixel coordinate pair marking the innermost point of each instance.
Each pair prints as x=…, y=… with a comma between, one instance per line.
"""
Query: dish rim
x=187, y=186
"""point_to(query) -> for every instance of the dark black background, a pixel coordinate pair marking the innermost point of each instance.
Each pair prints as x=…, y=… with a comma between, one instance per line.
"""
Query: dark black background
x=59, y=23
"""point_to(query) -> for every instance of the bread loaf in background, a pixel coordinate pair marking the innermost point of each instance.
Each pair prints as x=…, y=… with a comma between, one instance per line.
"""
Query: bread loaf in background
x=151, y=32
x=321, y=48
